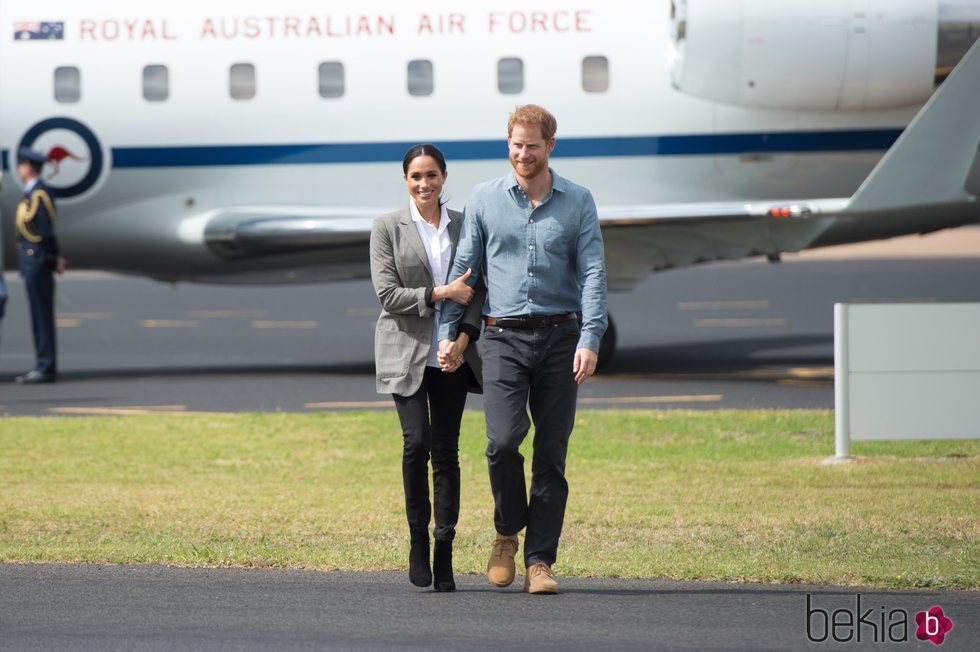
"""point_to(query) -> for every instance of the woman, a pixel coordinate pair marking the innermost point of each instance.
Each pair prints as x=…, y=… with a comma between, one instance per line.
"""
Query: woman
x=411, y=254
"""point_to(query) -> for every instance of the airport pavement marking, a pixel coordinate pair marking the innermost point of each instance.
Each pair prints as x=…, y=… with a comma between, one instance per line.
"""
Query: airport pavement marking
x=88, y=316
x=169, y=323
x=346, y=405
x=129, y=410
x=687, y=306
x=772, y=322
x=812, y=374
x=76, y=319
x=792, y=382
x=362, y=312
x=301, y=324
x=644, y=400
x=227, y=314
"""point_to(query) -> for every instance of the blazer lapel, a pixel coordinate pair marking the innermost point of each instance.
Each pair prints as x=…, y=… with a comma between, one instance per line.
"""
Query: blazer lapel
x=412, y=237
x=455, y=222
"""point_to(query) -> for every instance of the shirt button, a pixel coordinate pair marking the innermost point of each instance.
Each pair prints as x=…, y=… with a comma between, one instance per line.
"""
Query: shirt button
x=530, y=247
x=530, y=273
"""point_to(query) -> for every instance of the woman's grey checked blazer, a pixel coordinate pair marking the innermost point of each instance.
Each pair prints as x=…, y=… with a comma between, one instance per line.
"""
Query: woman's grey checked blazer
x=402, y=280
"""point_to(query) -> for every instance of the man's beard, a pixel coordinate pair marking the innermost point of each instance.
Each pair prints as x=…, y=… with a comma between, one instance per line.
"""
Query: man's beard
x=529, y=172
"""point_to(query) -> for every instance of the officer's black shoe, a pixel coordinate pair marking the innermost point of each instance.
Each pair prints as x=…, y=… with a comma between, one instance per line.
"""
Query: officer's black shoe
x=35, y=378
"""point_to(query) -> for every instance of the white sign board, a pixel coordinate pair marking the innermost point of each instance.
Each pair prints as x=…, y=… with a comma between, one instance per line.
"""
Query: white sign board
x=906, y=371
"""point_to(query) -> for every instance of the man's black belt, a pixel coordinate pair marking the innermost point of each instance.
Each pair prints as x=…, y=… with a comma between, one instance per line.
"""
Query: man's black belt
x=543, y=321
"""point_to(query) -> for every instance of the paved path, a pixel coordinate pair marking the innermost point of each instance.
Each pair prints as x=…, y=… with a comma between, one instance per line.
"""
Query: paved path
x=105, y=608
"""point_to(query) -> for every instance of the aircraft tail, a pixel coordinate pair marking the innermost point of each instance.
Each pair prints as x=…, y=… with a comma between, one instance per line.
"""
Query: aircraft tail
x=935, y=160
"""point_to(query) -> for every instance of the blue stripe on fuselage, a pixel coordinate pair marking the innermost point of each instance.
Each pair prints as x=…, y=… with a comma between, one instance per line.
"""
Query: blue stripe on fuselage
x=477, y=150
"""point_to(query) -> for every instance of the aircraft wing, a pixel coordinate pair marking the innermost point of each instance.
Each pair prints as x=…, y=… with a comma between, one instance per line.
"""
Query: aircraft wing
x=929, y=180
x=642, y=239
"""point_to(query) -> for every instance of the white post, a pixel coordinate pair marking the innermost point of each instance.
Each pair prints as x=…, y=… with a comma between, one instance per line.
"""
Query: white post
x=842, y=408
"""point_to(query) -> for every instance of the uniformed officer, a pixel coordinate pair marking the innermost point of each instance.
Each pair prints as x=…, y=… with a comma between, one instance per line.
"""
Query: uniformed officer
x=3, y=285
x=38, y=258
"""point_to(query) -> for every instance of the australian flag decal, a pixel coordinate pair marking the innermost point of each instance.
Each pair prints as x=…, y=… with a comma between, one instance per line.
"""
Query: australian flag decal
x=39, y=31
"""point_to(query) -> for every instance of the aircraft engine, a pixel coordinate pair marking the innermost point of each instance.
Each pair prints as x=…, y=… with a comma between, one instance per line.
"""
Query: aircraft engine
x=832, y=55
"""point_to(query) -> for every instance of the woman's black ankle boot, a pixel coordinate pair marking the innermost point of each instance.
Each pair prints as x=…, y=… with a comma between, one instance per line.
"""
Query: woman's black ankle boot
x=442, y=566
x=419, y=572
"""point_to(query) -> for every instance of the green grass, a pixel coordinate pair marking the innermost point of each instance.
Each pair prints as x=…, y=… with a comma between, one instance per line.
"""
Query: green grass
x=734, y=496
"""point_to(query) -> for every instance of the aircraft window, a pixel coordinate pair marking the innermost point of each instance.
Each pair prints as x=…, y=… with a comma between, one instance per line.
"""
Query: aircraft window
x=420, y=77
x=241, y=79
x=67, y=84
x=510, y=75
x=595, y=74
x=156, y=83
x=331, y=79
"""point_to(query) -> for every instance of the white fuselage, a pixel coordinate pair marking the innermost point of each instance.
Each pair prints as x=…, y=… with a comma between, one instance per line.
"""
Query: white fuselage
x=167, y=163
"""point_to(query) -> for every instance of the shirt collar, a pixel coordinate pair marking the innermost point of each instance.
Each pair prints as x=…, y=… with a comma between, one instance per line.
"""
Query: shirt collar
x=443, y=216
x=31, y=184
x=557, y=182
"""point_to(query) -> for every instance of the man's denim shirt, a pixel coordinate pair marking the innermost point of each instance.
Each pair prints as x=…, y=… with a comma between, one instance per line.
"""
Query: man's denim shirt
x=547, y=260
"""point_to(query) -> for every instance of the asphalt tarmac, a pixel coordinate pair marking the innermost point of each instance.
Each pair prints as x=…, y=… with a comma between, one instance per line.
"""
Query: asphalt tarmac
x=106, y=608
x=733, y=335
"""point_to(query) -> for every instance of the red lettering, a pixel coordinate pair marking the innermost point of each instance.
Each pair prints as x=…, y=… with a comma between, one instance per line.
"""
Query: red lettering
x=539, y=19
x=87, y=28
x=131, y=28
x=580, y=18
x=441, y=24
x=313, y=27
x=252, y=29
x=330, y=31
x=272, y=25
x=229, y=28
x=208, y=29
x=363, y=26
x=386, y=25
x=562, y=21
x=167, y=36
x=291, y=24
x=110, y=30
x=149, y=30
x=518, y=22
x=494, y=18
x=456, y=24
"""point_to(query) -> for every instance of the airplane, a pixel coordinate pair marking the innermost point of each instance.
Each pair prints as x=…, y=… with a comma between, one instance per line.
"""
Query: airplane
x=253, y=143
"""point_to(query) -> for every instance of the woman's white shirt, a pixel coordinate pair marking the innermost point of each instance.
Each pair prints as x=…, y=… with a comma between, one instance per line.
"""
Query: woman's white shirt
x=439, y=248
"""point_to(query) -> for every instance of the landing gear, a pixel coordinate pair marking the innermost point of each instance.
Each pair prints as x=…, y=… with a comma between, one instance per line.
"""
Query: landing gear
x=607, y=345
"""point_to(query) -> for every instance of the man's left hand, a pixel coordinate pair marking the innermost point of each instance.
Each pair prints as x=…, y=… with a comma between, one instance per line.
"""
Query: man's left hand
x=585, y=364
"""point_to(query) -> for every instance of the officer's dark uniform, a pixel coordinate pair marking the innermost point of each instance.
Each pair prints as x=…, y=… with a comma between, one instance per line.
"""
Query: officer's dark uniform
x=37, y=256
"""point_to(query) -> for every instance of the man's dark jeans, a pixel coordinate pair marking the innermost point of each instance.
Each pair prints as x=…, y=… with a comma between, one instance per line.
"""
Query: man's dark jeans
x=530, y=368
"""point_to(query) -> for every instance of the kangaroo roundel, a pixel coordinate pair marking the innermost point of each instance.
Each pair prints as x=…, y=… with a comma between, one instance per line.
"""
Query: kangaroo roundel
x=75, y=160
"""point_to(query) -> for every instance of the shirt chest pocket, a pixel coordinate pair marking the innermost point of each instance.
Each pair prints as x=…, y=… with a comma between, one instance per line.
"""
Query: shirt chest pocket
x=560, y=236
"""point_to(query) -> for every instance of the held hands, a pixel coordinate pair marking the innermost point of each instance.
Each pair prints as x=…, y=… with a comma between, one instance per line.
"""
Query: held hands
x=585, y=364
x=457, y=291
x=59, y=266
x=451, y=352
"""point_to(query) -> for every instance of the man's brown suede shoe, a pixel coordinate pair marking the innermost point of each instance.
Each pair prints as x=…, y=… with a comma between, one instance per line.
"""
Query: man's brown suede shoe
x=500, y=568
x=540, y=579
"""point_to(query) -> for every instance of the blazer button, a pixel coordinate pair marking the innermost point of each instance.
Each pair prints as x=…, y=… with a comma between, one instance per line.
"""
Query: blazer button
x=30, y=252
